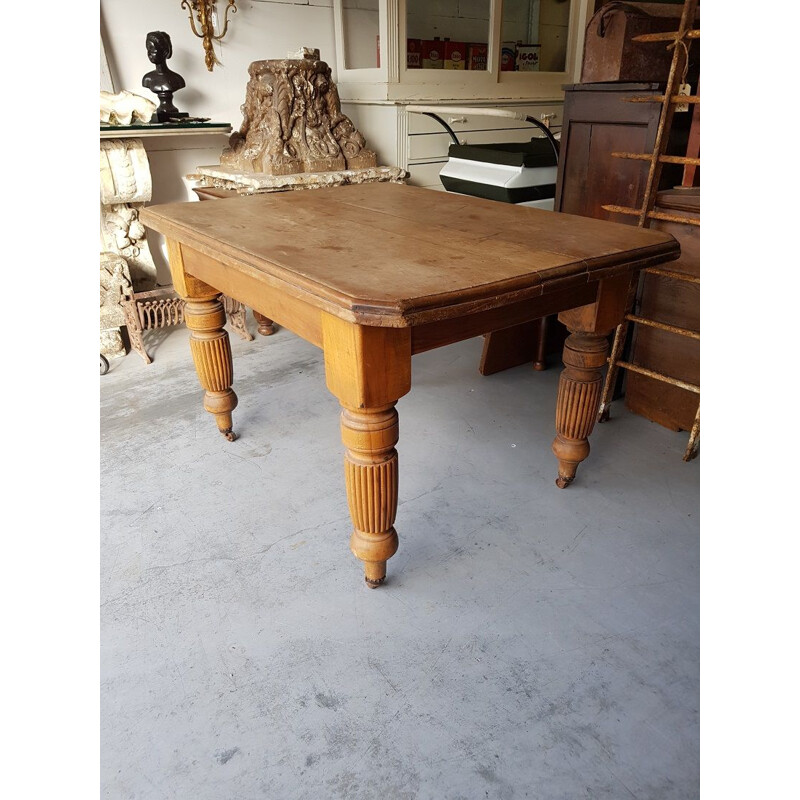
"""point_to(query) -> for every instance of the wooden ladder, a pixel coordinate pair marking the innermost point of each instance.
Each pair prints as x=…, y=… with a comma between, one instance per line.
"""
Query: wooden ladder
x=645, y=214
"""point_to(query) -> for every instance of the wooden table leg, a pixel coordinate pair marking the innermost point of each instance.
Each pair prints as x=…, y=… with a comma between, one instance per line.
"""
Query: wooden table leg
x=204, y=314
x=266, y=327
x=578, y=400
x=371, y=478
x=368, y=369
x=540, y=359
x=580, y=383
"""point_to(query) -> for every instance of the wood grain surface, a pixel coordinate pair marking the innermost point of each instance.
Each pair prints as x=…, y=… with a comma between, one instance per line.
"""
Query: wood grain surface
x=395, y=255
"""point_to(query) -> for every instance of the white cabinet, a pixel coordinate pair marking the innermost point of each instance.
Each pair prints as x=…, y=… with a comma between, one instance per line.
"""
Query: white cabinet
x=419, y=144
x=373, y=39
x=376, y=77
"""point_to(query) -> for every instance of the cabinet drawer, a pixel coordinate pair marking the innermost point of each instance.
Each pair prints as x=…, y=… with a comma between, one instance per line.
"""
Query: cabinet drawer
x=435, y=145
x=426, y=174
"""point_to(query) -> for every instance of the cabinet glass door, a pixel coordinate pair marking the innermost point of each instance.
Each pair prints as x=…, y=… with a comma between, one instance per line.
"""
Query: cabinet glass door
x=535, y=35
x=447, y=34
x=361, y=31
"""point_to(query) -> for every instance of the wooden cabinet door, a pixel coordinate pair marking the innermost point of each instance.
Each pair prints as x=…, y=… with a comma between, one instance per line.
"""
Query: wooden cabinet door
x=598, y=121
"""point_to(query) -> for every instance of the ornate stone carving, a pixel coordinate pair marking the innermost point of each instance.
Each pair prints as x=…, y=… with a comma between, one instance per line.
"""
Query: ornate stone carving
x=124, y=108
x=293, y=122
x=128, y=293
x=124, y=172
x=311, y=53
x=125, y=185
x=122, y=224
x=115, y=286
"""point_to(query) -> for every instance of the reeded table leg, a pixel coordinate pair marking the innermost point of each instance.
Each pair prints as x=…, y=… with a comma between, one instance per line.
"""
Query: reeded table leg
x=211, y=351
x=580, y=384
x=204, y=313
x=370, y=467
x=578, y=400
x=368, y=369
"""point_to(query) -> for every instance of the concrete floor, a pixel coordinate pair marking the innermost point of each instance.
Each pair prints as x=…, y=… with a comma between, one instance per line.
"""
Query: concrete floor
x=529, y=642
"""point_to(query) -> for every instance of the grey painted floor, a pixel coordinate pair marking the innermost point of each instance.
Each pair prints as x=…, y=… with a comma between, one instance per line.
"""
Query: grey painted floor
x=529, y=642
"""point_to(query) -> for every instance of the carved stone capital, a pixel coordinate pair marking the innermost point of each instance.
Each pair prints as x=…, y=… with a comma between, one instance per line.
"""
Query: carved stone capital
x=293, y=122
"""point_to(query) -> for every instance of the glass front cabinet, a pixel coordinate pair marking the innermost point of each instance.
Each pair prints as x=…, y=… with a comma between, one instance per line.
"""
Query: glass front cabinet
x=512, y=54
x=458, y=49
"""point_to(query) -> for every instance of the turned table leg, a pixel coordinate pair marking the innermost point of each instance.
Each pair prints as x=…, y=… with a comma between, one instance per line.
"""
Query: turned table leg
x=580, y=384
x=211, y=351
x=204, y=314
x=540, y=359
x=368, y=369
x=266, y=327
x=370, y=467
x=578, y=400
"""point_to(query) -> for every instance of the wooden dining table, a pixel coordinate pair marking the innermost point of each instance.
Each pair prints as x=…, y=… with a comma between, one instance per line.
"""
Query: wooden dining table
x=375, y=273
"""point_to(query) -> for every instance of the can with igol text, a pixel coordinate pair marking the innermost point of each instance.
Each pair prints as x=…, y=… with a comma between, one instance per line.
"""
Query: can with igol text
x=528, y=57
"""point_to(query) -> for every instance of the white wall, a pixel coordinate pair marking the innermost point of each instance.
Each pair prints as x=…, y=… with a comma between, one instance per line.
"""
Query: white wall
x=361, y=27
x=260, y=29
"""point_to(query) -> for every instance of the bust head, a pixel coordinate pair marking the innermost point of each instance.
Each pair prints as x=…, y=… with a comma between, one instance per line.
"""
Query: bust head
x=162, y=80
x=159, y=46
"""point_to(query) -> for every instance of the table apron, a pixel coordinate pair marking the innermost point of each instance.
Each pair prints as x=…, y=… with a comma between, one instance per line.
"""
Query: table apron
x=276, y=303
x=431, y=335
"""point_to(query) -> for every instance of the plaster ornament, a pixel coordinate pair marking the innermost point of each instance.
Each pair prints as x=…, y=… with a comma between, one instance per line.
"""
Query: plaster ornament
x=124, y=107
x=310, y=53
x=293, y=122
x=115, y=288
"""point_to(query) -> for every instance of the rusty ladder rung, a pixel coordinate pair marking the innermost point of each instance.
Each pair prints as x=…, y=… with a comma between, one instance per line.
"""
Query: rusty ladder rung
x=667, y=100
x=662, y=326
x=671, y=273
x=668, y=36
x=662, y=159
x=636, y=212
x=659, y=98
x=690, y=387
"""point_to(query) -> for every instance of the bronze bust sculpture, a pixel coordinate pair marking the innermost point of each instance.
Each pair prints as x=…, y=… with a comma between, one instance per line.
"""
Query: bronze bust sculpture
x=162, y=81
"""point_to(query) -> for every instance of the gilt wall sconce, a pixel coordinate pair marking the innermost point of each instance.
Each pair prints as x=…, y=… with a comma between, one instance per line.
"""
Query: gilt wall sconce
x=202, y=15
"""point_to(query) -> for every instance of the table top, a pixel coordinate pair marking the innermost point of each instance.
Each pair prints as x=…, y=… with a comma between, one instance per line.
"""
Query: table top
x=396, y=255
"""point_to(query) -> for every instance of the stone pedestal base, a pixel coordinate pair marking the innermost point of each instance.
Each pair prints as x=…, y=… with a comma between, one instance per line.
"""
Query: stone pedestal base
x=222, y=177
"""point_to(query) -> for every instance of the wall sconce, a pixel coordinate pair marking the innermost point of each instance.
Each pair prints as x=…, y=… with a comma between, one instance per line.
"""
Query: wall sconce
x=205, y=11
